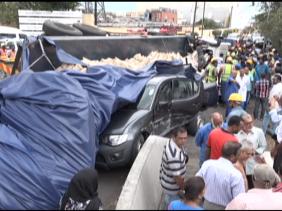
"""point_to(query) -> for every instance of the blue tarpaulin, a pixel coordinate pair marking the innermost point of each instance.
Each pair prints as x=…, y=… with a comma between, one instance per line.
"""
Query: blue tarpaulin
x=50, y=124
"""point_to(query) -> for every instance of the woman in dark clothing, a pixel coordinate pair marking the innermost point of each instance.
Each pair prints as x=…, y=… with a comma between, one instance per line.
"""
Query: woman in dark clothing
x=82, y=192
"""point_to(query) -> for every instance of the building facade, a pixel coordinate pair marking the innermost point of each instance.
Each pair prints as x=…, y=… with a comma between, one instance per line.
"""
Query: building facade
x=162, y=15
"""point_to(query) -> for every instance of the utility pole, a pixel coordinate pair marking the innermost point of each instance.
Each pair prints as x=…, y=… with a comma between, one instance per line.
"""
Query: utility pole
x=194, y=20
x=100, y=12
x=230, y=17
x=203, y=18
x=95, y=15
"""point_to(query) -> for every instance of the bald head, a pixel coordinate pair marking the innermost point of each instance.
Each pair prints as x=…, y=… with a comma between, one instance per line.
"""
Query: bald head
x=217, y=119
x=247, y=117
x=248, y=122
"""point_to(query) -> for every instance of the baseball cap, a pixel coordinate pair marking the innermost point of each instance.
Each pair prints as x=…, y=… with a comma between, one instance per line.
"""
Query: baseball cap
x=263, y=172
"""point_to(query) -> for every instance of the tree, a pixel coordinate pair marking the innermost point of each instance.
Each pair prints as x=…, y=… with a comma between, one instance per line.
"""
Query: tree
x=9, y=10
x=269, y=22
x=209, y=24
x=216, y=33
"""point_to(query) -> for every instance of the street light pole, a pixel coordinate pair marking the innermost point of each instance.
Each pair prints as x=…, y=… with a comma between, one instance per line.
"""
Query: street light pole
x=194, y=20
x=95, y=14
x=203, y=18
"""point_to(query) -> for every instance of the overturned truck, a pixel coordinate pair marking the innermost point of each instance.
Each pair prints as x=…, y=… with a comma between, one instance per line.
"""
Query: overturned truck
x=58, y=122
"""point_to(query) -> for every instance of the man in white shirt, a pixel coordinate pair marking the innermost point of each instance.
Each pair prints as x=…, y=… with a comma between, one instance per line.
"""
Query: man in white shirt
x=256, y=137
x=223, y=181
x=275, y=107
x=243, y=81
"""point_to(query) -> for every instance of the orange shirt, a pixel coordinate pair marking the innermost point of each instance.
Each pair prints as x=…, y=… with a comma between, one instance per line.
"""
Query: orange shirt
x=217, y=138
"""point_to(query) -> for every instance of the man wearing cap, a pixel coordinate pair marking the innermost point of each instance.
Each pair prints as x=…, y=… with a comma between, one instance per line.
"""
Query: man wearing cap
x=235, y=102
x=212, y=71
x=261, y=197
x=232, y=86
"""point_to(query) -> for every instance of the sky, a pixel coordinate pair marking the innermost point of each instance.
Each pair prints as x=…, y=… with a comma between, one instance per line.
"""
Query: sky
x=242, y=11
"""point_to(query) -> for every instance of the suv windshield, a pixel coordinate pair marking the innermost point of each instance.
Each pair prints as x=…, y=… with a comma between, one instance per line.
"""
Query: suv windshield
x=147, y=98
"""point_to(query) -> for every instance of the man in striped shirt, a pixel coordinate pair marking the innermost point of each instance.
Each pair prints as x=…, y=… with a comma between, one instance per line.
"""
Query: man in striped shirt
x=173, y=166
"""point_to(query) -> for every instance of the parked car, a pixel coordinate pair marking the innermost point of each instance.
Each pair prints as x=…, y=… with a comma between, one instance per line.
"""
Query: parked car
x=167, y=102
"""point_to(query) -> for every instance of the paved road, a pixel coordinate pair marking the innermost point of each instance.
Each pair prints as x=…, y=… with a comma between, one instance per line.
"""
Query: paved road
x=111, y=182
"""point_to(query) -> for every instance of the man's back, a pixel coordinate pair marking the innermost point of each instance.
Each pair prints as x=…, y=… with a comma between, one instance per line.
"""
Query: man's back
x=237, y=111
x=202, y=139
x=223, y=181
x=217, y=138
x=257, y=199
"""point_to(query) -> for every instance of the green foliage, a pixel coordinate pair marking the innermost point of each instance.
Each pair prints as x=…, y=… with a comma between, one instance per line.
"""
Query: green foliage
x=226, y=32
x=270, y=21
x=209, y=24
x=9, y=10
x=216, y=33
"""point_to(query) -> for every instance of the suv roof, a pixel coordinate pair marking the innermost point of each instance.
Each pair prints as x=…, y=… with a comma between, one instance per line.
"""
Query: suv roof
x=156, y=80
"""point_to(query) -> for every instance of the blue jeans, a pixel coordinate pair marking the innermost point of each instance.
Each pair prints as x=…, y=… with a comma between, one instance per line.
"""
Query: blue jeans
x=265, y=122
x=246, y=103
x=169, y=198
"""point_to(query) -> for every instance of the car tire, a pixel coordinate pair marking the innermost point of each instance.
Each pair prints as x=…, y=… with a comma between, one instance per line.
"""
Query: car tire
x=137, y=145
x=193, y=126
x=52, y=28
x=88, y=30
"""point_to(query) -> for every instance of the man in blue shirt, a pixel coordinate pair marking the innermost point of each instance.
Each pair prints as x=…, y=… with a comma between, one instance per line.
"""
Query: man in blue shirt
x=232, y=86
x=204, y=132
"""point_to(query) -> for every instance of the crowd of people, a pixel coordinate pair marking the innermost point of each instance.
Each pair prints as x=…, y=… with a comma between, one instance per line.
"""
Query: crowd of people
x=7, y=55
x=233, y=172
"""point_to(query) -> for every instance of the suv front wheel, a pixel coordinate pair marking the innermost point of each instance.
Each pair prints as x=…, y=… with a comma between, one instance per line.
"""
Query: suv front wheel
x=137, y=145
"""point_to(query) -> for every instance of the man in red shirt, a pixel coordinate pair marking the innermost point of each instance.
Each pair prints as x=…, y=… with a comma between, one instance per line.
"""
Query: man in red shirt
x=218, y=137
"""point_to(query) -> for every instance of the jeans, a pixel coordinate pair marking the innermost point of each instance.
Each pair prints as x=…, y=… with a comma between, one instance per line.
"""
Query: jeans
x=222, y=90
x=265, y=122
x=168, y=199
x=260, y=102
x=246, y=103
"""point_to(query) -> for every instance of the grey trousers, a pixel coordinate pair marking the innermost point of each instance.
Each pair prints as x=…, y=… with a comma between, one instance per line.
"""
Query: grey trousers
x=211, y=206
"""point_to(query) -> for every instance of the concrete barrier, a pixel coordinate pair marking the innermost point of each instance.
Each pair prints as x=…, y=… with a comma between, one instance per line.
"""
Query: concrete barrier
x=142, y=189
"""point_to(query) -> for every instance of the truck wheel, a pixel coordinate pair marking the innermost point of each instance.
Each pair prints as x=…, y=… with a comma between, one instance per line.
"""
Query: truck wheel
x=90, y=30
x=137, y=145
x=52, y=28
x=193, y=126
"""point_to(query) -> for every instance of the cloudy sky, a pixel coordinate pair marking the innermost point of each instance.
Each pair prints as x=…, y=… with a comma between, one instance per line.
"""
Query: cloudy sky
x=242, y=11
